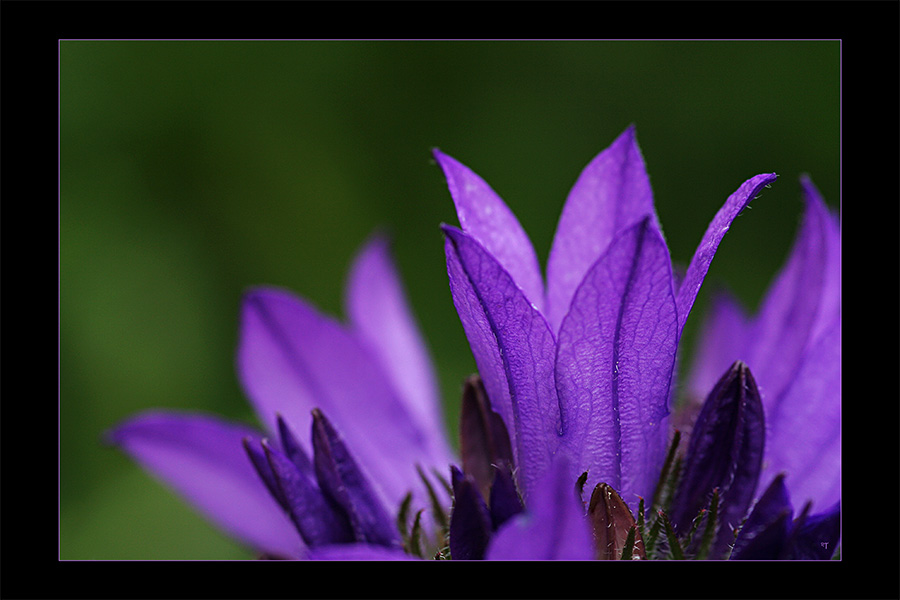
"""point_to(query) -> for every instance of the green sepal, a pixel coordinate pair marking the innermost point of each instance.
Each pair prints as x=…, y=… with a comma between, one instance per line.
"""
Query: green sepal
x=695, y=524
x=444, y=482
x=402, y=516
x=415, y=540
x=628, y=548
x=709, y=532
x=674, y=543
x=652, y=537
x=437, y=509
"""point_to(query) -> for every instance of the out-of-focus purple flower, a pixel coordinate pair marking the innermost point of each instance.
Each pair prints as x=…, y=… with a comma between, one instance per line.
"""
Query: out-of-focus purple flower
x=793, y=347
x=580, y=366
x=365, y=392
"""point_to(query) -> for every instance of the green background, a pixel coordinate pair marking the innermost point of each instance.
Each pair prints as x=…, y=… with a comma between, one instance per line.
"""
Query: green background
x=192, y=170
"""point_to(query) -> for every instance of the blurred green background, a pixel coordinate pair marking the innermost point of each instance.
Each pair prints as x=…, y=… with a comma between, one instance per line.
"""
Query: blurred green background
x=192, y=170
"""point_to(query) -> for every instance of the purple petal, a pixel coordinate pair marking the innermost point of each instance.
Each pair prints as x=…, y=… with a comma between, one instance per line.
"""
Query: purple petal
x=357, y=552
x=504, y=497
x=291, y=360
x=483, y=215
x=817, y=537
x=722, y=340
x=470, y=521
x=805, y=428
x=725, y=453
x=790, y=310
x=830, y=306
x=257, y=456
x=612, y=193
x=553, y=527
x=294, y=450
x=797, y=368
x=696, y=272
x=318, y=520
x=203, y=459
x=615, y=363
x=513, y=348
x=482, y=340
x=341, y=479
x=764, y=534
x=380, y=314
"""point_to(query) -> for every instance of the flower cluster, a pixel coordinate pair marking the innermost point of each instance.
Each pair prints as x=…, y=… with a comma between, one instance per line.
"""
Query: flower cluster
x=567, y=446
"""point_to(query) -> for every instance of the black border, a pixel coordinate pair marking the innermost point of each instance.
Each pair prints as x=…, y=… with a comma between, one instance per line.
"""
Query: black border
x=29, y=58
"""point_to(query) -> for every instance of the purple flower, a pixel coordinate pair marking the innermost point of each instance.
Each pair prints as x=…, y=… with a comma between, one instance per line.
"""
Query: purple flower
x=793, y=346
x=580, y=366
x=365, y=394
x=575, y=388
x=553, y=527
x=771, y=533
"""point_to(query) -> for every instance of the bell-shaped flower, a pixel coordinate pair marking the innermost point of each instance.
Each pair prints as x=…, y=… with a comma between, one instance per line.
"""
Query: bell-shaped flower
x=579, y=365
x=382, y=439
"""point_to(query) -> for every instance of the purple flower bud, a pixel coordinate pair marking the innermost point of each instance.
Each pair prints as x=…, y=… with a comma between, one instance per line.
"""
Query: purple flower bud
x=725, y=452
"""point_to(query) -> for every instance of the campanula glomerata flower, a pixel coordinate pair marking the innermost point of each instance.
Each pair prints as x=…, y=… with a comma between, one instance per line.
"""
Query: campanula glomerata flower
x=351, y=424
x=566, y=449
x=581, y=365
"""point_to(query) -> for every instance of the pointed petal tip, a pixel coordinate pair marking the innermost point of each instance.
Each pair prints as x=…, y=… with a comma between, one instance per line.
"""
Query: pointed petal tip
x=379, y=240
x=811, y=193
x=739, y=369
x=113, y=437
x=457, y=236
x=451, y=230
x=279, y=420
x=122, y=433
x=456, y=475
x=322, y=429
x=629, y=133
x=259, y=292
x=443, y=160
